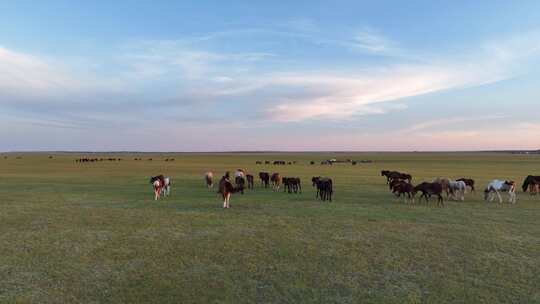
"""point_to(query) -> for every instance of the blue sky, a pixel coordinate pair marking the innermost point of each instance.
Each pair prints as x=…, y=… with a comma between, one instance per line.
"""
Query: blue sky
x=237, y=75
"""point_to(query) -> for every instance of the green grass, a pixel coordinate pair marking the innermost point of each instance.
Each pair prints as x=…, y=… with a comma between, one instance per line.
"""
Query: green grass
x=92, y=233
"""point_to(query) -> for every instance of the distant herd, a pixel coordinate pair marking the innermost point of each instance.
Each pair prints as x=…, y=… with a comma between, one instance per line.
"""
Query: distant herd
x=400, y=184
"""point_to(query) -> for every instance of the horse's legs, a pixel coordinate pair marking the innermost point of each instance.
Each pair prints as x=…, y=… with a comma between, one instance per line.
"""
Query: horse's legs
x=499, y=196
x=512, y=197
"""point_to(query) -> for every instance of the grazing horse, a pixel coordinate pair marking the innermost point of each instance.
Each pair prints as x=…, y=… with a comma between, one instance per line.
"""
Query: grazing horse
x=226, y=188
x=457, y=188
x=292, y=184
x=496, y=186
x=531, y=182
x=324, y=187
x=429, y=189
x=209, y=179
x=275, y=179
x=158, y=182
x=468, y=182
x=265, y=179
x=249, y=179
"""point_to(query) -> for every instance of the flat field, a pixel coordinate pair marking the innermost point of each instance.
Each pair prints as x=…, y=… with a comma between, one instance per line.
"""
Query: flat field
x=91, y=232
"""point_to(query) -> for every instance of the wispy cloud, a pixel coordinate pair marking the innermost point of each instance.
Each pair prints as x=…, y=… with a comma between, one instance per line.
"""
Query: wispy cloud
x=372, y=41
x=23, y=72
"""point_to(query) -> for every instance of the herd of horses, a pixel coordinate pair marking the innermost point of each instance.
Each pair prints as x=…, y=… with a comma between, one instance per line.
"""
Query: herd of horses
x=400, y=184
x=227, y=186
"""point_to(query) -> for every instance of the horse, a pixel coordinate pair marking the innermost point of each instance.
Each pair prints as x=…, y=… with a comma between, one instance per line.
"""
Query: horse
x=390, y=175
x=531, y=182
x=249, y=179
x=240, y=173
x=265, y=179
x=275, y=179
x=166, y=189
x=457, y=188
x=158, y=182
x=403, y=188
x=324, y=187
x=496, y=186
x=292, y=184
x=226, y=188
x=394, y=182
x=444, y=181
x=468, y=182
x=240, y=183
x=429, y=189
x=209, y=179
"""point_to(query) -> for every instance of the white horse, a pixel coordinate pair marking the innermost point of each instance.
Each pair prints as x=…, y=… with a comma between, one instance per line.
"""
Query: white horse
x=457, y=188
x=166, y=188
x=496, y=186
x=209, y=179
x=240, y=173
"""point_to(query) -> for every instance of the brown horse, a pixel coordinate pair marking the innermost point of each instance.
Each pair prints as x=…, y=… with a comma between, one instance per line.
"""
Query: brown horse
x=292, y=184
x=390, y=175
x=429, y=189
x=445, y=183
x=403, y=188
x=325, y=187
x=249, y=179
x=209, y=179
x=265, y=179
x=532, y=183
x=275, y=179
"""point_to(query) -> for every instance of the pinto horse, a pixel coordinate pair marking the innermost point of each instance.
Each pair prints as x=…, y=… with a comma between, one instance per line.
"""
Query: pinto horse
x=226, y=188
x=496, y=186
x=457, y=188
x=468, y=182
x=158, y=182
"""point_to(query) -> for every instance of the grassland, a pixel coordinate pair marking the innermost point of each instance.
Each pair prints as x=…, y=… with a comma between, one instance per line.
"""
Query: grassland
x=91, y=233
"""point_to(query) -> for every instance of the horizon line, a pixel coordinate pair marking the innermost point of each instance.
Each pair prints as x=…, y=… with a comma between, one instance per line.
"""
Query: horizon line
x=274, y=151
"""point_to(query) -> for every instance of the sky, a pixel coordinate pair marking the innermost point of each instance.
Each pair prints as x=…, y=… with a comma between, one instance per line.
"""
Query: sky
x=269, y=75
